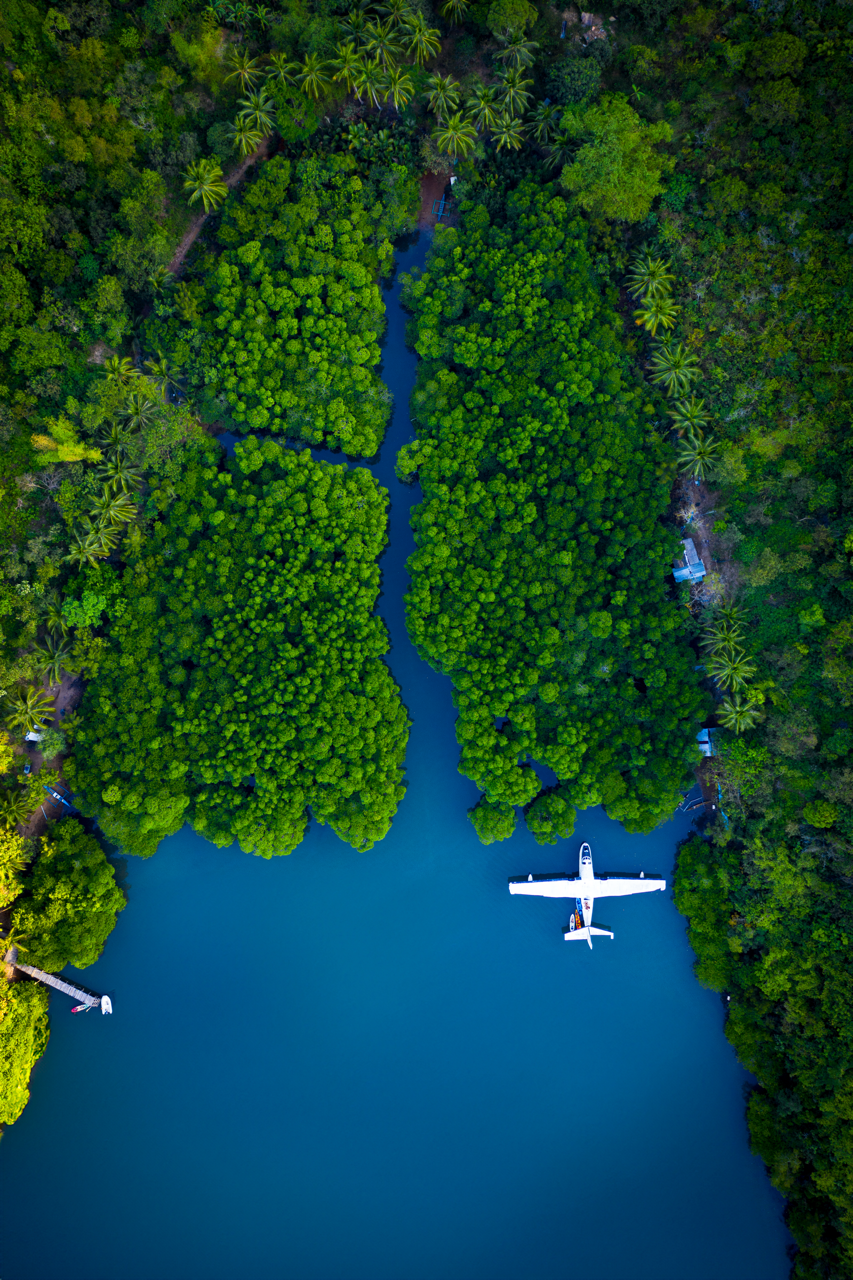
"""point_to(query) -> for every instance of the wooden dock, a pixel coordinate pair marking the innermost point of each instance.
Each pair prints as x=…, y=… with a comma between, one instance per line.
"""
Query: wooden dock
x=59, y=984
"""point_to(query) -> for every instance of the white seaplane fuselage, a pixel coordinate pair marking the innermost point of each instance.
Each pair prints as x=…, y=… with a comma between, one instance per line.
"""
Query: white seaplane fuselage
x=585, y=888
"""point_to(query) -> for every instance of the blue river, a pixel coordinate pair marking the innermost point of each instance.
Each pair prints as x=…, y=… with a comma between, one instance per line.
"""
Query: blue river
x=342, y=1066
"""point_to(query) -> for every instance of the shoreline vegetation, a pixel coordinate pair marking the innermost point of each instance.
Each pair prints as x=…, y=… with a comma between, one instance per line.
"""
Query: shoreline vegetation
x=648, y=273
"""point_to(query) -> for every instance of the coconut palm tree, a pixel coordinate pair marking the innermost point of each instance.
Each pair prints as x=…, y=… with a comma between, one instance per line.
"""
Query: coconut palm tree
x=313, y=78
x=516, y=50
x=399, y=86
x=442, y=95
x=545, y=119
x=113, y=438
x=245, y=69
x=455, y=10
x=656, y=313
x=52, y=658
x=674, y=366
x=113, y=509
x=354, y=24
x=54, y=621
x=346, y=64
x=396, y=11
x=456, y=136
x=731, y=668
x=509, y=132
x=731, y=612
x=139, y=410
x=382, y=41
x=163, y=373
x=370, y=80
x=739, y=714
x=120, y=474
x=561, y=150
x=203, y=180
x=514, y=91
x=14, y=808
x=649, y=277
x=245, y=139
x=721, y=633
x=29, y=708
x=120, y=370
x=697, y=455
x=86, y=546
x=689, y=415
x=282, y=69
x=160, y=279
x=257, y=110
x=484, y=106
x=422, y=41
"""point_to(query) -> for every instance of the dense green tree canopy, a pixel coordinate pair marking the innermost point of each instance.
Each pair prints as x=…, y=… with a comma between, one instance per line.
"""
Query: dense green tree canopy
x=71, y=900
x=244, y=684
x=538, y=580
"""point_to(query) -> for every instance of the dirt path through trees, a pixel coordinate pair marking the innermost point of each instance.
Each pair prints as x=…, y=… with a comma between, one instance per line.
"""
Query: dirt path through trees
x=192, y=233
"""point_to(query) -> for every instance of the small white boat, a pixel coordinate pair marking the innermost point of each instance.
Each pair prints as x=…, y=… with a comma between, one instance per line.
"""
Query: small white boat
x=106, y=1004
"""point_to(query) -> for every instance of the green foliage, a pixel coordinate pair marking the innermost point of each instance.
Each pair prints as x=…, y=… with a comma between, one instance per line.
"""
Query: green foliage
x=538, y=579
x=573, y=80
x=551, y=816
x=260, y=690
x=23, y=1039
x=492, y=820
x=71, y=900
x=618, y=170
x=289, y=322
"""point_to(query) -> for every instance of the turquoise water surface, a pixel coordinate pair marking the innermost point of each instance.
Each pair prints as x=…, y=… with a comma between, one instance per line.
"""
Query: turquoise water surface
x=341, y=1066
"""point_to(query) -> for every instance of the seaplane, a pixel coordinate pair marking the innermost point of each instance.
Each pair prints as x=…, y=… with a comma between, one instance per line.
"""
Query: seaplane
x=585, y=888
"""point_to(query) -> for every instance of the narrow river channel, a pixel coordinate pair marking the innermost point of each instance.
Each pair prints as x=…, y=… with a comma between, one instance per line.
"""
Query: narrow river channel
x=339, y=1066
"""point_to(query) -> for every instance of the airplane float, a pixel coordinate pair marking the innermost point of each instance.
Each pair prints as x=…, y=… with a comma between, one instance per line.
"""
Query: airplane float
x=585, y=888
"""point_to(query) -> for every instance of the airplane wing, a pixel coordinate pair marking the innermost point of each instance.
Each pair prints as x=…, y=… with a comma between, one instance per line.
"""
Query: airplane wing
x=547, y=886
x=619, y=886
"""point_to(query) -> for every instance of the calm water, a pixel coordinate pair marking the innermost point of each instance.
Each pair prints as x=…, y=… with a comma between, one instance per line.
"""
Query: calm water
x=382, y=1067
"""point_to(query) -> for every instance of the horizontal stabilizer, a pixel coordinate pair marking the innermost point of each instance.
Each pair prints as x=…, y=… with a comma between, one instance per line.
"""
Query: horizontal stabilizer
x=592, y=930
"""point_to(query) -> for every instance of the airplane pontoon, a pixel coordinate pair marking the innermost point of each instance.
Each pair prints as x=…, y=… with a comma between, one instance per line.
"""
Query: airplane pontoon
x=585, y=888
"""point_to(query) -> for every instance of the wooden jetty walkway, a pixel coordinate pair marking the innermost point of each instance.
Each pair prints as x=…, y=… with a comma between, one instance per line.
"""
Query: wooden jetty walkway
x=59, y=984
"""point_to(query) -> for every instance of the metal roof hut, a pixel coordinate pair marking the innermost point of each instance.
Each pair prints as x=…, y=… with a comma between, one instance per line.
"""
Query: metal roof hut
x=690, y=568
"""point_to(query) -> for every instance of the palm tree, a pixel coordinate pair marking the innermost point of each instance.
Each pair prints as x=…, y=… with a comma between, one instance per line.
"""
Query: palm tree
x=656, y=313
x=516, y=49
x=163, y=373
x=545, y=118
x=561, y=150
x=689, y=415
x=399, y=86
x=14, y=808
x=203, y=179
x=649, y=277
x=112, y=438
x=457, y=136
x=697, y=455
x=731, y=668
x=160, y=279
x=721, y=634
x=120, y=475
x=313, y=78
x=120, y=370
x=257, y=110
x=738, y=714
x=108, y=538
x=263, y=16
x=354, y=24
x=244, y=138
x=54, y=621
x=381, y=40
x=509, y=132
x=675, y=367
x=86, y=547
x=423, y=42
x=113, y=509
x=139, y=410
x=396, y=10
x=455, y=10
x=513, y=91
x=483, y=106
x=52, y=657
x=346, y=64
x=442, y=95
x=282, y=69
x=370, y=80
x=29, y=708
x=732, y=613
x=245, y=69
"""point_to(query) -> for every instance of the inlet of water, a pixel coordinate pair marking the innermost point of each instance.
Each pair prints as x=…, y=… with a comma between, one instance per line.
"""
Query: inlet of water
x=338, y=1066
